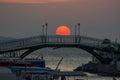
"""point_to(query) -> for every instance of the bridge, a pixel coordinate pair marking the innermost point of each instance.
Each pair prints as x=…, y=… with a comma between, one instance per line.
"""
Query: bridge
x=32, y=44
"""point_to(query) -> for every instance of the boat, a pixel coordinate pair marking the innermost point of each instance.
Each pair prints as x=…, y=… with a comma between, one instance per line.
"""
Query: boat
x=38, y=73
x=14, y=63
x=6, y=62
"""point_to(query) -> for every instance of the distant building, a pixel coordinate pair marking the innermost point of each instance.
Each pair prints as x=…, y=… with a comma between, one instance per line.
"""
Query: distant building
x=95, y=65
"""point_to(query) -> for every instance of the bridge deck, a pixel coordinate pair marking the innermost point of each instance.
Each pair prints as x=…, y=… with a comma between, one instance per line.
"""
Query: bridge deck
x=25, y=43
x=41, y=40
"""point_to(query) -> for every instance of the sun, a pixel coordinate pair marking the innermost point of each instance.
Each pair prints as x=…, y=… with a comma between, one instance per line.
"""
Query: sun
x=63, y=30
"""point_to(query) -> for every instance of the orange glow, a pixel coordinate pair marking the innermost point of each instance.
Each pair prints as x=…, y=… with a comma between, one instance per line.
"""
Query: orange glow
x=32, y=1
x=63, y=30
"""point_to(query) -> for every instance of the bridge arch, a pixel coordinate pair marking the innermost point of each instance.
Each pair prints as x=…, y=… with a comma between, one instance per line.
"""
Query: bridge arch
x=91, y=51
x=33, y=43
x=97, y=56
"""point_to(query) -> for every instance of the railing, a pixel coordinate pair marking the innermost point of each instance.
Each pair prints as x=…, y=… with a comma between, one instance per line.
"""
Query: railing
x=40, y=40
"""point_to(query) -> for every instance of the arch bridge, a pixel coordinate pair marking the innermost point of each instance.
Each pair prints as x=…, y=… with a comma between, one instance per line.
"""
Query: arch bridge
x=34, y=43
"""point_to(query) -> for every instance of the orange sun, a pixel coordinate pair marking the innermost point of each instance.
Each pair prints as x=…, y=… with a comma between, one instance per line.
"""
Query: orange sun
x=63, y=30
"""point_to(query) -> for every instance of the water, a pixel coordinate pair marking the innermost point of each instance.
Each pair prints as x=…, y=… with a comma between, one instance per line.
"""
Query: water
x=72, y=58
x=91, y=78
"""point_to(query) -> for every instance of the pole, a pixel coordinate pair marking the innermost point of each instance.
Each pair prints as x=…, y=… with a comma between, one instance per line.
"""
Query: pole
x=46, y=24
x=79, y=29
x=75, y=29
x=75, y=34
x=59, y=63
x=43, y=29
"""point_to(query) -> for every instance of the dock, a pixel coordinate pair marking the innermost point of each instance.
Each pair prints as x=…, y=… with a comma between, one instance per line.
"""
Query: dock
x=60, y=73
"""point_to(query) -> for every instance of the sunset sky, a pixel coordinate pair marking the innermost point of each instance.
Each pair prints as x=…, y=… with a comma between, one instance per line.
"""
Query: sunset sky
x=33, y=1
x=24, y=18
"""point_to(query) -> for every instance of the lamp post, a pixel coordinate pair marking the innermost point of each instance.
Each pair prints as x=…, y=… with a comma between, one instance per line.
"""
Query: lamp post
x=75, y=34
x=43, y=29
x=46, y=24
x=75, y=29
x=79, y=29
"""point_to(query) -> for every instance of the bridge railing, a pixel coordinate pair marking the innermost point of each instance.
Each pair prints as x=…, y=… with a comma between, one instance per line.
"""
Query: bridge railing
x=40, y=40
x=91, y=41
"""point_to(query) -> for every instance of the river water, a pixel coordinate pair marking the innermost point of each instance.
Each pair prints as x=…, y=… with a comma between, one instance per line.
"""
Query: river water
x=72, y=58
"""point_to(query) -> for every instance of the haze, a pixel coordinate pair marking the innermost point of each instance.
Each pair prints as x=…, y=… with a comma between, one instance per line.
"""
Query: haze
x=24, y=18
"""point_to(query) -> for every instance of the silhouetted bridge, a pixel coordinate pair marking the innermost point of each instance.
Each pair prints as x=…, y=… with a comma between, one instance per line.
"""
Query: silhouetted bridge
x=34, y=43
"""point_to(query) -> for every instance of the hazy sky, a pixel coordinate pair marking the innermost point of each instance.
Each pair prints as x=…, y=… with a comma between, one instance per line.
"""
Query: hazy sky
x=33, y=1
x=24, y=18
